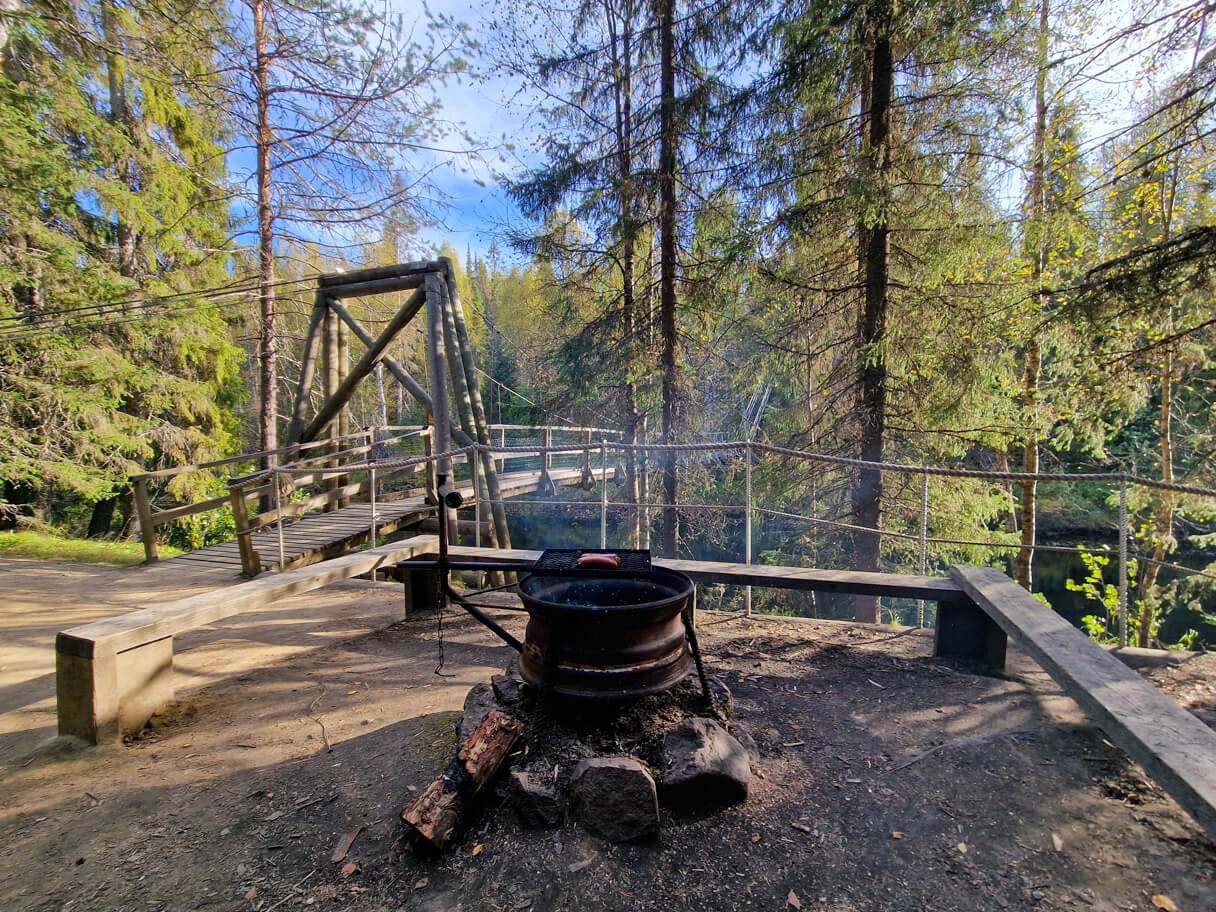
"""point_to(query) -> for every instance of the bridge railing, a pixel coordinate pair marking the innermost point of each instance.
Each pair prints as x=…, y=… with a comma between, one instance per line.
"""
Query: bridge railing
x=335, y=477
x=915, y=502
x=150, y=518
x=536, y=448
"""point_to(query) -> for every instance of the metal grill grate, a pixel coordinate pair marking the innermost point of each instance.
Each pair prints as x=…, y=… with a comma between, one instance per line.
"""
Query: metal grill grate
x=559, y=561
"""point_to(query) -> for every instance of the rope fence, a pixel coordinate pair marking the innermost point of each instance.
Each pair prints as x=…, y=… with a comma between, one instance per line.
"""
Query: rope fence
x=747, y=448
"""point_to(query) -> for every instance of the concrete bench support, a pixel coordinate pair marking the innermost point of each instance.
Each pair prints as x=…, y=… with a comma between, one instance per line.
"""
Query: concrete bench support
x=103, y=695
x=964, y=631
x=421, y=591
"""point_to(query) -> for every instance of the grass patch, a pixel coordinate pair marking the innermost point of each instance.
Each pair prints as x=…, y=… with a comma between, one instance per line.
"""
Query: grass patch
x=41, y=546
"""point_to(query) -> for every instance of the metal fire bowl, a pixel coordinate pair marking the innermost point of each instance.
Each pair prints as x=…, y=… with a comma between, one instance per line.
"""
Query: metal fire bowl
x=614, y=638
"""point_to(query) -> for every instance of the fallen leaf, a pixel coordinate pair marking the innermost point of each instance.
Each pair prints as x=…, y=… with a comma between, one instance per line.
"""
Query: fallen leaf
x=422, y=884
x=800, y=826
x=793, y=900
x=349, y=692
x=962, y=847
x=349, y=868
x=253, y=891
x=477, y=848
x=344, y=844
x=1057, y=842
x=896, y=834
x=1163, y=902
x=268, y=794
x=411, y=788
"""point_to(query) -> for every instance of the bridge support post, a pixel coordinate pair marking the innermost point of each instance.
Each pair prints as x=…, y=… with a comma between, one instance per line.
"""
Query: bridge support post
x=251, y=563
x=143, y=508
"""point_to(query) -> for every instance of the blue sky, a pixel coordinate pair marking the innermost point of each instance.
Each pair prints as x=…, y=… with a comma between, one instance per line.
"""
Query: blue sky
x=478, y=206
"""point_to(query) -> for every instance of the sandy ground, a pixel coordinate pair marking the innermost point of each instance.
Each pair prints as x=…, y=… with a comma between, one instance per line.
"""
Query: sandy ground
x=40, y=598
x=315, y=717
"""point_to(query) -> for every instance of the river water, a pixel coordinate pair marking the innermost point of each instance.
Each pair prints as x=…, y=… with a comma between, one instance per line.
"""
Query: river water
x=535, y=527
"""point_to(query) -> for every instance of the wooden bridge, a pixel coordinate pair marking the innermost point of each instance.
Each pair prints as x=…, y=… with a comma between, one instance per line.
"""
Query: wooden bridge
x=325, y=514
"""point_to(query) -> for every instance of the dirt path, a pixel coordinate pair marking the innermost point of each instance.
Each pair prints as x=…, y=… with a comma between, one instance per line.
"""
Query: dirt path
x=1003, y=796
x=40, y=598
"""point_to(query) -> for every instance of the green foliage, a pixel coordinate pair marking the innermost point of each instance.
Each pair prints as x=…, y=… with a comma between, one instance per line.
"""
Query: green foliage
x=110, y=195
x=44, y=546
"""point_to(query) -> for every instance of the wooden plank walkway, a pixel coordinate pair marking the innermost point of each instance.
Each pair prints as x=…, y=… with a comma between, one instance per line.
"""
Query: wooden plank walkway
x=318, y=536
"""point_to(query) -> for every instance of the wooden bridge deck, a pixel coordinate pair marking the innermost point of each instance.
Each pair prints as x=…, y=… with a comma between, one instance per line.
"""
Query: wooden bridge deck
x=318, y=536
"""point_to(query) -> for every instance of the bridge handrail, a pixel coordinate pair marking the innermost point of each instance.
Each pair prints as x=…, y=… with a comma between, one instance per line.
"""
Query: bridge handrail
x=244, y=457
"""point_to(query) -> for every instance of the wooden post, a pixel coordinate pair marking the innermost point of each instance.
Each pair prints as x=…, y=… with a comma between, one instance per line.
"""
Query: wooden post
x=586, y=479
x=331, y=380
x=343, y=420
x=428, y=449
x=544, y=484
x=442, y=441
x=481, y=428
x=460, y=381
x=308, y=368
x=251, y=563
x=143, y=507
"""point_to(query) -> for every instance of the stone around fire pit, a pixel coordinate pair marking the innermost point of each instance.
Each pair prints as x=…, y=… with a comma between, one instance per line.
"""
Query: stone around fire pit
x=508, y=688
x=615, y=797
x=537, y=804
x=705, y=765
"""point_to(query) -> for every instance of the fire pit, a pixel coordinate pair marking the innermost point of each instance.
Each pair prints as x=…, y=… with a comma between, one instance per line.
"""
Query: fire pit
x=603, y=626
x=606, y=637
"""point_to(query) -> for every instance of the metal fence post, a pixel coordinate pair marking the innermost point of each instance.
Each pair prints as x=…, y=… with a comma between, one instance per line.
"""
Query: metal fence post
x=603, y=493
x=372, y=482
x=924, y=545
x=278, y=510
x=1123, y=562
x=747, y=523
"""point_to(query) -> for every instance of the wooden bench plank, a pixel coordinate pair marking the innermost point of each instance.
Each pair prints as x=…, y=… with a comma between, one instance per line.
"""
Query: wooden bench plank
x=1175, y=748
x=933, y=588
x=111, y=675
x=136, y=627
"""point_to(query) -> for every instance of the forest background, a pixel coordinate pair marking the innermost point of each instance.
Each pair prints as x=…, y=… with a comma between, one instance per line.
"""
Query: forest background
x=961, y=234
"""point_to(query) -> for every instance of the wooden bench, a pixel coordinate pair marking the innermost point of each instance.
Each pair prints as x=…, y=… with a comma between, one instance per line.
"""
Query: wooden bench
x=940, y=589
x=112, y=675
x=1175, y=748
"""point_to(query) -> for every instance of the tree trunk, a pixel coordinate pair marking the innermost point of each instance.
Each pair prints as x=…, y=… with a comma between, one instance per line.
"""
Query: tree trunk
x=1163, y=534
x=875, y=251
x=268, y=343
x=102, y=517
x=667, y=270
x=1023, y=562
x=120, y=113
x=1163, y=537
x=623, y=97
